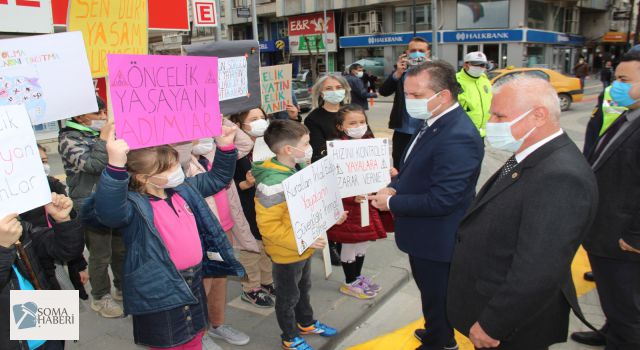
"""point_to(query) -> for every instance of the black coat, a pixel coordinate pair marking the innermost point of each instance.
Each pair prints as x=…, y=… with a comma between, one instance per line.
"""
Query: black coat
x=593, y=127
x=511, y=268
x=359, y=93
x=618, y=175
x=322, y=128
x=389, y=87
x=63, y=242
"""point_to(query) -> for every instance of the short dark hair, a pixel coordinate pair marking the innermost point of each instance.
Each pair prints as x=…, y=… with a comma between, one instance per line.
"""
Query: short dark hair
x=420, y=40
x=283, y=132
x=630, y=56
x=239, y=118
x=342, y=112
x=355, y=66
x=442, y=76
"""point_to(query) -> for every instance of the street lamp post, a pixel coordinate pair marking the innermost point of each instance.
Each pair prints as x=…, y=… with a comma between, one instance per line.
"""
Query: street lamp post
x=325, y=38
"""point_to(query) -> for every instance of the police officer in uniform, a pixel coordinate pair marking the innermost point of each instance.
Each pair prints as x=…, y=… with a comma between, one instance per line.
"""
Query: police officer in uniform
x=475, y=97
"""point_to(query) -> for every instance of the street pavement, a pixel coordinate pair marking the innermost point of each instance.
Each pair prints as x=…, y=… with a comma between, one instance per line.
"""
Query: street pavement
x=398, y=303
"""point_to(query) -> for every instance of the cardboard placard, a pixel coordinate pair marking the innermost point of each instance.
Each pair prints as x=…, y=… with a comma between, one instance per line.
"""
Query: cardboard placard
x=249, y=49
x=275, y=87
x=49, y=74
x=26, y=16
x=157, y=100
x=362, y=166
x=23, y=183
x=110, y=27
x=313, y=200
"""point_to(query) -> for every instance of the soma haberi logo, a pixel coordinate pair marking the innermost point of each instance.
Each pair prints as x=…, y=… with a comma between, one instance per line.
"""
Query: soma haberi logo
x=44, y=315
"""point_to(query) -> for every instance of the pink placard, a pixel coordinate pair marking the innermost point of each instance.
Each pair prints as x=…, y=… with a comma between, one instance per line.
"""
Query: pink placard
x=157, y=100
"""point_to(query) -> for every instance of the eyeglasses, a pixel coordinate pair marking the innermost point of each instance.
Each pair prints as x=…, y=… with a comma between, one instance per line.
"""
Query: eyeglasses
x=478, y=64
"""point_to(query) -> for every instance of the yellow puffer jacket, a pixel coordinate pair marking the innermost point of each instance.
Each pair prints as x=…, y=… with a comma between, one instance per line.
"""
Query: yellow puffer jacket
x=272, y=213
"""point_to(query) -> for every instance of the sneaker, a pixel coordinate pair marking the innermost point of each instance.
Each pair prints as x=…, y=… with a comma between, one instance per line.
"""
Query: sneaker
x=296, y=343
x=368, y=283
x=209, y=344
x=269, y=288
x=229, y=334
x=117, y=296
x=452, y=345
x=106, y=307
x=257, y=298
x=420, y=334
x=357, y=290
x=318, y=328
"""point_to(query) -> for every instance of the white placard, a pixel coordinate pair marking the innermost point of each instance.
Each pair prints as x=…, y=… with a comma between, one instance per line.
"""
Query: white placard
x=33, y=16
x=261, y=151
x=44, y=315
x=49, y=74
x=232, y=77
x=313, y=201
x=23, y=183
x=362, y=166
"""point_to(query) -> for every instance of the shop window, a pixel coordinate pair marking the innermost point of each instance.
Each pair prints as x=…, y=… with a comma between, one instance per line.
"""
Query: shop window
x=403, y=18
x=475, y=14
x=535, y=56
x=364, y=22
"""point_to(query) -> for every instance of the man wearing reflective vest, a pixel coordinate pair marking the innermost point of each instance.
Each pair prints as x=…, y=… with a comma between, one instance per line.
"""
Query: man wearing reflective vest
x=475, y=97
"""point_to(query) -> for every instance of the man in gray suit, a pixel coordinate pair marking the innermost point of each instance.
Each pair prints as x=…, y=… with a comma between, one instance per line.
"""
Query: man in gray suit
x=510, y=283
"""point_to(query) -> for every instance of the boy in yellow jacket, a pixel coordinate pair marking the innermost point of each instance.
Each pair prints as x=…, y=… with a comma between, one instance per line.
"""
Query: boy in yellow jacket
x=289, y=140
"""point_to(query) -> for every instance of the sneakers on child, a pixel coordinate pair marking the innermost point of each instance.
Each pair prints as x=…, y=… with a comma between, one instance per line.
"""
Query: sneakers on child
x=258, y=298
x=209, y=344
x=229, y=334
x=318, y=328
x=106, y=307
x=296, y=343
x=269, y=288
x=357, y=290
x=117, y=295
x=368, y=283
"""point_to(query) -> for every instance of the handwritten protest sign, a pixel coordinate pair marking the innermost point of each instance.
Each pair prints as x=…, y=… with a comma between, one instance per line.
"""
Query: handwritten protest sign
x=23, y=184
x=313, y=200
x=275, y=87
x=158, y=100
x=110, y=27
x=49, y=74
x=362, y=166
x=233, y=77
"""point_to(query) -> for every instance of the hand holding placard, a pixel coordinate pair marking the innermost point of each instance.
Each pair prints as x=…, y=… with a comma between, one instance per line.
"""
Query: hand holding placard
x=59, y=208
x=117, y=150
x=228, y=134
x=10, y=230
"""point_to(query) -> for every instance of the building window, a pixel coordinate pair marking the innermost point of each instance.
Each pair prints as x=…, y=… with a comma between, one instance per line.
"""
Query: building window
x=547, y=16
x=483, y=14
x=535, y=56
x=403, y=18
x=364, y=22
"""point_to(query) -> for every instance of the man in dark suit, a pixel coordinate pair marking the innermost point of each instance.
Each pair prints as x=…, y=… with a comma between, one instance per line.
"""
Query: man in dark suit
x=613, y=242
x=434, y=188
x=510, y=283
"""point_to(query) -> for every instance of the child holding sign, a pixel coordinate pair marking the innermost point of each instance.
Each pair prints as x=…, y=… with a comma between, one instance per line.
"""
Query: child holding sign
x=351, y=123
x=289, y=140
x=173, y=239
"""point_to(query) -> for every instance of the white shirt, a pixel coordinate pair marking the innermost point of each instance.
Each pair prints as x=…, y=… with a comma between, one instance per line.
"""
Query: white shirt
x=430, y=122
x=527, y=151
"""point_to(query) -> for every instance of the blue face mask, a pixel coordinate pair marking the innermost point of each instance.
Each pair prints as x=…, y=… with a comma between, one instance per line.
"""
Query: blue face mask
x=417, y=54
x=620, y=93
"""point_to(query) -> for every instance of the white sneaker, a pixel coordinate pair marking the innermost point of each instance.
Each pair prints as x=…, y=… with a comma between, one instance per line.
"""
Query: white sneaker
x=117, y=295
x=208, y=344
x=229, y=334
x=106, y=307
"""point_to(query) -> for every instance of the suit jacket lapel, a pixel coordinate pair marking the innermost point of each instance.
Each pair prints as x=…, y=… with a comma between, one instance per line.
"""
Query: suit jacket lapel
x=616, y=143
x=426, y=137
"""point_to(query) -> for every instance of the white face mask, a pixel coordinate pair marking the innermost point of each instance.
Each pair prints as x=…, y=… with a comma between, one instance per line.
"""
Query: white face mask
x=419, y=108
x=357, y=132
x=334, y=97
x=475, y=72
x=308, y=153
x=360, y=74
x=500, y=137
x=173, y=180
x=203, y=147
x=47, y=169
x=258, y=127
x=97, y=125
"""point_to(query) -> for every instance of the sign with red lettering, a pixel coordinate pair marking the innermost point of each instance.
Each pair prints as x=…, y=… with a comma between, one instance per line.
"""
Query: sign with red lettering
x=204, y=13
x=306, y=33
x=163, y=14
x=26, y=16
x=311, y=24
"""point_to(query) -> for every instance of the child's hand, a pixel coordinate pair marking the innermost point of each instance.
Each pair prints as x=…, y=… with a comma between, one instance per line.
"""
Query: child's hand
x=394, y=172
x=59, y=208
x=228, y=134
x=292, y=111
x=359, y=199
x=84, y=276
x=319, y=243
x=10, y=230
x=251, y=181
x=117, y=150
x=343, y=218
x=106, y=130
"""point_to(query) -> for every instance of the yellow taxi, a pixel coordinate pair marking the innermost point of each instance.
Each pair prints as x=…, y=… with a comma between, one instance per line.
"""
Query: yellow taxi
x=568, y=88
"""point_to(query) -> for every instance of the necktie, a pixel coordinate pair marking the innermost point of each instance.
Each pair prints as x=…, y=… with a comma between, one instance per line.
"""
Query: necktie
x=507, y=168
x=423, y=129
x=607, y=137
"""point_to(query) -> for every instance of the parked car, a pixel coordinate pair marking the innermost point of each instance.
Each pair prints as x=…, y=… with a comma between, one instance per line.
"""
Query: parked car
x=568, y=88
x=303, y=95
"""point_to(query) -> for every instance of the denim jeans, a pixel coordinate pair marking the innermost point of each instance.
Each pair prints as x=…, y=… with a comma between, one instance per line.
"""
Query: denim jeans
x=293, y=299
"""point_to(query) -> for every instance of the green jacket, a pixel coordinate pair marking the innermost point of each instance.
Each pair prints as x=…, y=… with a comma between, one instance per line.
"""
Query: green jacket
x=475, y=98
